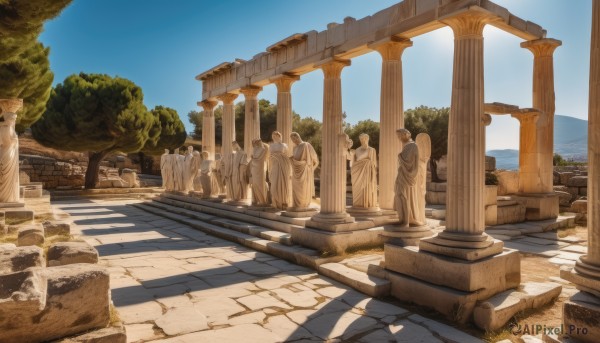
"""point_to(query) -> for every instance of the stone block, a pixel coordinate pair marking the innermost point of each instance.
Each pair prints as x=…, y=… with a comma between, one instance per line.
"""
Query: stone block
x=565, y=176
x=581, y=317
x=113, y=334
x=58, y=228
x=63, y=253
x=370, y=285
x=130, y=176
x=539, y=207
x=574, y=191
x=583, y=191
x=15, y=217
x=511, y=214
x=491, y=194
x=30, y=235
x=496, y=273
x=491, y=215
x=435, y=198
x=77, y=300
x=16, y=259
x=508, y=182
x=564, y=198
x=490, y=163
x=577, y=181
x=337, y=242
x=579, y=206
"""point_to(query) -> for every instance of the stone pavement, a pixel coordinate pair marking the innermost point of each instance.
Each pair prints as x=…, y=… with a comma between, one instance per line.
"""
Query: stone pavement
x=171, y=283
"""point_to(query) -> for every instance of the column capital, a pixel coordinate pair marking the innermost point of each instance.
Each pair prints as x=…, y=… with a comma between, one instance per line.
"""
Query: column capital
x=332, y=68
x=392, y=48
x=207, y=105
x=284, y=82
x=526, y=115
x=544, y=47
x=486, y=119
x=227, y=98
x=251, y=92
x=469, y=24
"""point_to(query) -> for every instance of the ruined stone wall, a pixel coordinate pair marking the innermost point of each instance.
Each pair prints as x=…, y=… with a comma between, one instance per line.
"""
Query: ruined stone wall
x=52, y=173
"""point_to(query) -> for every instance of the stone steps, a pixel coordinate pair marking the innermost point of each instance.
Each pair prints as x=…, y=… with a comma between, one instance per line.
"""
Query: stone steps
x=276, y=243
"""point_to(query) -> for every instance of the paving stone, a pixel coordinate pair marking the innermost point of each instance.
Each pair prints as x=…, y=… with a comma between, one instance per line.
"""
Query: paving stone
x=307, y=298
x=338, y=324
x=283, y=327
x=542, y=250
x=447, y=333
x=218, y=309
x=249, y=333
x=363, y=282
x=182, y=320
x=569, y=255
x=257, y=317
x=261, y=300
x=140, y=332
x=379, y=309
x=576, y=249
x=276, y=282
x=539, y=241
x=561, y=261
x=377, y=336
x=409, y=332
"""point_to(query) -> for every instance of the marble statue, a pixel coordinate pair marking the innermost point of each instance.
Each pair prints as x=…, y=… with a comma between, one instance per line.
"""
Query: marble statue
x=406, y=197
x=304, y=162
x=258, y=173
x=195, y=171
x=363, y=166
x=280, y=173
x=166, y=170
x=238, y=176
x=207, y=178
x=217, y=174
x=189, y=170
x=423, y=141
x=9, y=152
x=178, y=168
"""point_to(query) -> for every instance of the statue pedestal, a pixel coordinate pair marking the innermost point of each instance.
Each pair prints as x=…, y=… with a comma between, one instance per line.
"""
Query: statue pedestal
x=363, y=212
x=296, y=212
x=11, y=204
x=405, y=236
x=539, y=206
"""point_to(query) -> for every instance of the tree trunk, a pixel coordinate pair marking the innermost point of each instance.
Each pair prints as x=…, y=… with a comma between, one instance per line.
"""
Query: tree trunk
x=433, y=167
x=91, y=174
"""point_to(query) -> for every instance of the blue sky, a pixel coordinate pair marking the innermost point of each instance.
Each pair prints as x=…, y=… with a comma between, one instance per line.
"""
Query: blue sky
x=162, y=44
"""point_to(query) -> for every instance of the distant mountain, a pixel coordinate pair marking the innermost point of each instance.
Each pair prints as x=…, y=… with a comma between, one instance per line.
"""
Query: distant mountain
x=570, y=141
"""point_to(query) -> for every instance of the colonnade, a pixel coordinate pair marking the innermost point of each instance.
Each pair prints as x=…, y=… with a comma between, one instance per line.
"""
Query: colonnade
x=466, y=136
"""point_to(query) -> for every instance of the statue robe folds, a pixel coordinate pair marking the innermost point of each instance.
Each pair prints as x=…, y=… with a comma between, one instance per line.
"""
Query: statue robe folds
x=304, y=163
x=9, y=163
x=280, y=170
x=258, y=172
x=178, y=168
x=207, y=179
x=166, y=171
x=227, y=173
x=406, y=188
x=239, y=176
x=364, y=179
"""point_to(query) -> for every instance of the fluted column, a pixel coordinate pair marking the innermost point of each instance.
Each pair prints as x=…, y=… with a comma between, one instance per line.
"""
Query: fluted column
x=333, y=158
x=228, y=126
x=208, y=126
x=543, y=99
x=391, y=117
x=529, y=177
x=251, y=117
x=284, y=105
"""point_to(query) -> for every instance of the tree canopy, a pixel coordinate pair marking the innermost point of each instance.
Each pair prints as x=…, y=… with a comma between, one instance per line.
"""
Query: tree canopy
x=167, y=132
x=98, y=114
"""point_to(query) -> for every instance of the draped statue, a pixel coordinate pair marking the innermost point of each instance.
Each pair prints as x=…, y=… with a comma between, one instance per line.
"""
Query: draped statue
x=258, y=173
x=190, y=169
x=216, y=170
x=406, y=201
x=363, y=166
x=166, y=170
x=238, y=175
x=280, y=171
x=207, y=178
x=9, y=152
x=304, y=162
x=178, y=168
x=423, y=141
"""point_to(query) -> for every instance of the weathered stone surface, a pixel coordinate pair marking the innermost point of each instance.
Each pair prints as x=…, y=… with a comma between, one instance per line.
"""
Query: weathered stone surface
x=14, y=217
x=107, y=335
x=511, y=214
x=31, y=235
x=565, y=176
x=490, y=163
x=578, y=181
x=68, y=288
x=370, y=285
x=22, y=294
x=130, y=176
x=56, y=228
x=63, y=253
x=248, y=333
x=182, y=320
x=508, y=182
x=445, y=332
x=564, y=198
x=15, y=259
x=579, y=206
x=581, y=317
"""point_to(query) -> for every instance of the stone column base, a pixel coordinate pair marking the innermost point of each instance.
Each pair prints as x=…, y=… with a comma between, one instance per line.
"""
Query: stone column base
x=363, y=212
x=337, y=242
x=336, y=222
x=450, y=286
x=296, y=212
x=581, y=317
x=539, y=206
x=395, y=234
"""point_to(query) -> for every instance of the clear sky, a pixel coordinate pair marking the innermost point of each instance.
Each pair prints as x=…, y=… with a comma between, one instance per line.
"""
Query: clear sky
x=162, y=45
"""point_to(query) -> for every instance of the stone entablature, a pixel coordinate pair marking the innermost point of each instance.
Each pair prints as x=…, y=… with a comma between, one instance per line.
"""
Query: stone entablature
x=302, y=53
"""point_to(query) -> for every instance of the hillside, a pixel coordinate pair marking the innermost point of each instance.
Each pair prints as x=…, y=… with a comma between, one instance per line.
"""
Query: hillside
x=570, y=141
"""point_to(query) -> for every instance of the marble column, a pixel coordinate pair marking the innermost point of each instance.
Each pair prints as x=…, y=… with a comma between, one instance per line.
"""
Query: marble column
x=284, y=106
x=251, y=117
x=391, y=117
x=581, y=311
x=465, y=209
x=228, y=125
x=529, y=177
x=333, y=158
x=543, y=99
x=208, y=126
